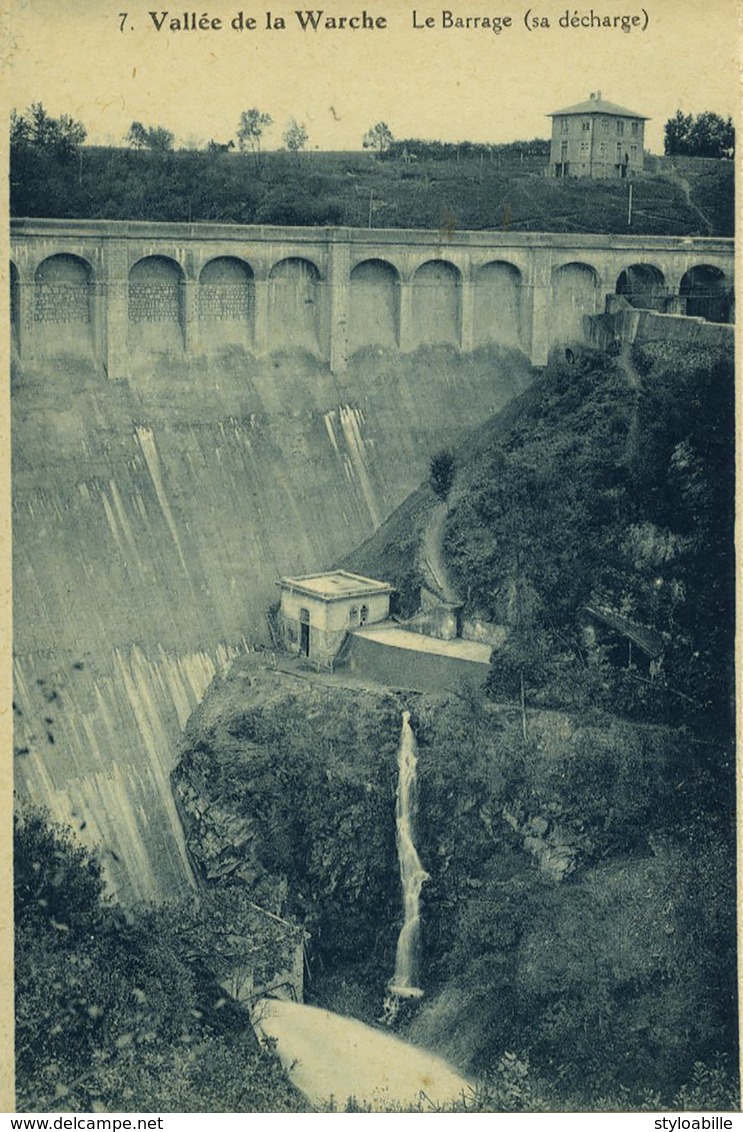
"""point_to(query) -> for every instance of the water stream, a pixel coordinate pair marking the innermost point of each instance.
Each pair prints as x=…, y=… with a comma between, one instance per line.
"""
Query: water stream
x=412, y=874
x=329, y=1056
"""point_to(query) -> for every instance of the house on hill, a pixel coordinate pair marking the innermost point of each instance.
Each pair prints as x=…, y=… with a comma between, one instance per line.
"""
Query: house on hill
x=597, y=139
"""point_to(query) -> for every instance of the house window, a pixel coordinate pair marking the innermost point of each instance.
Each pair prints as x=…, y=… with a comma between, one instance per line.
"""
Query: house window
x=304, y=616
x=586, y=125
x=635, y=129
x=364, y=614
x=353, y=615
x=619, y=153
x=564, y=125
x=602, y=149
x=605, y=125
x=564, y=152
x=620, y=126
x=633, y=152
x=584, y=147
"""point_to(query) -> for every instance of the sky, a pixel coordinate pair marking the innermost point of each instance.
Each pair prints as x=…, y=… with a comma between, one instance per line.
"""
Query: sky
x=86, y=58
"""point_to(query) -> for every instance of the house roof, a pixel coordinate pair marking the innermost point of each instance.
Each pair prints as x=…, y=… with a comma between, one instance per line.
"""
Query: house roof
x=335, y=584
x=598, y=106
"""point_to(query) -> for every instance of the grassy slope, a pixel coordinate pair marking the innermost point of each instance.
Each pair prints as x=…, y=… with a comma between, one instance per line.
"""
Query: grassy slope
x=684, y=197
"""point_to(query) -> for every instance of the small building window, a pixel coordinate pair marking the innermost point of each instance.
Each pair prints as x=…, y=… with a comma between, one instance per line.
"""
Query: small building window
x=619, y=153
x=304, y=616
x=584, y=147
x=605, y=125
x=602, y=149
x=633, y=152
x=564, y=151
x=564, y=126
x=364, y=614
x=586, y=125
x=620, y=125
x=635, y=129
x=353, y=615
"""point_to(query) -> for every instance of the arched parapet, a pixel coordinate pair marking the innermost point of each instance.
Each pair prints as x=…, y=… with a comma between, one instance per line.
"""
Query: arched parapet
x=436, y=303
x=295, y=305
x=62, y=310
x=374, y=305
x=575, y=291
x=643, y=285
x=156, y=305
x=498, y=303
x=604, y=275
x=226, y=302
x=707, y=293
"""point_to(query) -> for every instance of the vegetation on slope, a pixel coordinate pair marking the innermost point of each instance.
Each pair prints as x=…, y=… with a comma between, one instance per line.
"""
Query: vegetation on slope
x=120, y=1010
x=686, y=196
x=607, y=961
x=613, y=490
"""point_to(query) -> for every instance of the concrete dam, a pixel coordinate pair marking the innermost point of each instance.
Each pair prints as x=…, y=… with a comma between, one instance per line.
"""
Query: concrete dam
x=198, y=409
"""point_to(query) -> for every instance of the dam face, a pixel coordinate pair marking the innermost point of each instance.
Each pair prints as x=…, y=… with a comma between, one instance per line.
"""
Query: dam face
x=197, y=410
x=151, y=518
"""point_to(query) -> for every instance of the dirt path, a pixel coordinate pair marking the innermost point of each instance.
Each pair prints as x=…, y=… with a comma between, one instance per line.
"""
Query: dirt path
x=686, y=190
x=432, y=560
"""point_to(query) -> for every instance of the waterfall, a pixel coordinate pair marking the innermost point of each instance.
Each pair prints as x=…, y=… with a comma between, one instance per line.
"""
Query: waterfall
x=412, y=873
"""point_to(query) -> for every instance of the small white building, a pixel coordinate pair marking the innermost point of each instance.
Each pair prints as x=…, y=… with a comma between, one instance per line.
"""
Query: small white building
x=317, y=610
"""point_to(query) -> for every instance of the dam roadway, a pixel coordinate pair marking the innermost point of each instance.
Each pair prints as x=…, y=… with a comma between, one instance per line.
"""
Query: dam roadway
x=198, y=409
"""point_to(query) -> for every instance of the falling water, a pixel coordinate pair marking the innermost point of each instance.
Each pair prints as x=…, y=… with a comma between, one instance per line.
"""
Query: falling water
x=412, y=873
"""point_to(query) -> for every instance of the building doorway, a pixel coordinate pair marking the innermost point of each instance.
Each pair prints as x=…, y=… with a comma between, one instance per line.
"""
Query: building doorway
x=304, y=632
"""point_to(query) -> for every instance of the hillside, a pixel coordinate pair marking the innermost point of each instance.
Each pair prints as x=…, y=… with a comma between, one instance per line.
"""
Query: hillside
x=679, y=196
x=632, y=460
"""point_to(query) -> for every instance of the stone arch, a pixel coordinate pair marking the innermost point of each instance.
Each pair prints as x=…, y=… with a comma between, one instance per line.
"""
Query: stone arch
x=374, y=305
x=643, y=285
x=706, y=293
x=226, y=305
x=436, y=303
x=497, y=315
x=294, y=305
x=156, y=305
x=575, y=289
x=63, y=305
x=15, y=306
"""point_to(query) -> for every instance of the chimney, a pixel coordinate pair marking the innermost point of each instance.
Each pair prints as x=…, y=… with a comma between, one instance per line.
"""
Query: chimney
x=598, y=95
x=593, y=96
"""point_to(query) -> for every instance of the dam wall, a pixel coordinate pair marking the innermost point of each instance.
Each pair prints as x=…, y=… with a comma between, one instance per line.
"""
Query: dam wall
x=151, y=519
x=200, y=409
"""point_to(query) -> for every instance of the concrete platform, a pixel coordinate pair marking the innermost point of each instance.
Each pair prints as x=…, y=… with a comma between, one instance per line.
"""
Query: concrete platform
x=389, y=633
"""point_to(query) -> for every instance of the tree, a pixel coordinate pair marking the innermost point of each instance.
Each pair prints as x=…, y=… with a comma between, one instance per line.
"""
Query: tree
x=137, y=136
x=160, y=139
x=442, y=473
x=295, y=136
x=60, y=137
x=150, y=137
x=378, y=138
x=250, y=129
x=707, y=135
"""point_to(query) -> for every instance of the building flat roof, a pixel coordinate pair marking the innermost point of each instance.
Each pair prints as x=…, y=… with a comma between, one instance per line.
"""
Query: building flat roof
x=335, y=584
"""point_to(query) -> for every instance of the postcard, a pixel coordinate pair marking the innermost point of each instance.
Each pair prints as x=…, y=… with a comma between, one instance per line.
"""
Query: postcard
x=371, y=470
